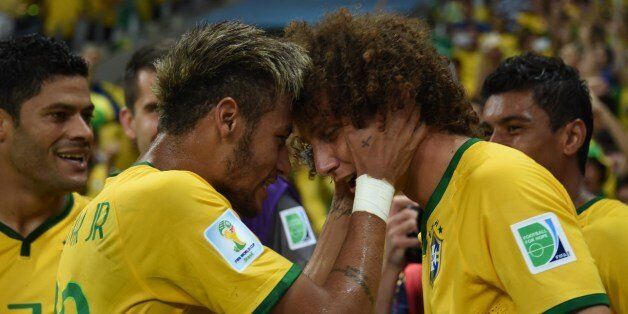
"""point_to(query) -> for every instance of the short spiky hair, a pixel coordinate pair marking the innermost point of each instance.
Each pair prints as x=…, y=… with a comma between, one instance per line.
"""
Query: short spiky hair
x=229, y=59
x=366, y=63
x=556, y=87
x=143, y=59
x=27, y=62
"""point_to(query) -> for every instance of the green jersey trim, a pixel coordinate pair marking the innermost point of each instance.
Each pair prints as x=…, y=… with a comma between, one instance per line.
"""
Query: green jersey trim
x=588, y=204
x=144, y=163
x=25, y=249
x=580, y=303
x=442, y=187
x=140, y=163
x=280, y=289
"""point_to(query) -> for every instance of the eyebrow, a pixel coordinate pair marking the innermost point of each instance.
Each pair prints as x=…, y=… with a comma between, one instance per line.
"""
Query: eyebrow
x=69, y=107
x=512, y=118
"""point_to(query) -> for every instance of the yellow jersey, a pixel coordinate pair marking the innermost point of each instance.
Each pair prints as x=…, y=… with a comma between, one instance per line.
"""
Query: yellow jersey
x=501, y=236
x=166, y=242
x=28, y=265
x=604, y=223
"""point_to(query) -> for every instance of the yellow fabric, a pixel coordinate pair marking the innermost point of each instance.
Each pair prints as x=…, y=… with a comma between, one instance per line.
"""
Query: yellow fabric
x=532, y=21
x=114, y=91
x=605, y=228
x=316, y=195
x=27, y=282
x=481, y=268
x=151, y=254
x=469, y=69
x=61, y=16
x=104, y=110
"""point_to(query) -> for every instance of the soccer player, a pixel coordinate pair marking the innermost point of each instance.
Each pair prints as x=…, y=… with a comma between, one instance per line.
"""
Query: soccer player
x=164, y=236
x=541, y=107
x=139, y=116
x=499, y=233
x=283, y=224
x=45, y=144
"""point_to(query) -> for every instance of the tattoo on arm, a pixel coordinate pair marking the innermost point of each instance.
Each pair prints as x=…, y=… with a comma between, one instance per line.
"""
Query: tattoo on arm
x=366, y=143
x=357, y=276
x=341, y=207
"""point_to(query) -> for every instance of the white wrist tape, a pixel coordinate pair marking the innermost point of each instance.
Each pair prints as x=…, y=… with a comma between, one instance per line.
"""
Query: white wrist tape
x=373, y=196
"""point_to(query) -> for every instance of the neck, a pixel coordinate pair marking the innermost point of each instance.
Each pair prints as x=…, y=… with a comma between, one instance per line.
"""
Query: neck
x=170, y=152
x=24, y=208
x=429, y=164
x=573, y=181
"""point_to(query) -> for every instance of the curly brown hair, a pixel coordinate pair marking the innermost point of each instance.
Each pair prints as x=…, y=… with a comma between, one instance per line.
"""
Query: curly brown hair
x=366, y=64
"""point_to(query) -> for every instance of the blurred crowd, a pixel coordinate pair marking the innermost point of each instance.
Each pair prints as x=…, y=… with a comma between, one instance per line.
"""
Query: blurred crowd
x=588, y=35
x=475, y=35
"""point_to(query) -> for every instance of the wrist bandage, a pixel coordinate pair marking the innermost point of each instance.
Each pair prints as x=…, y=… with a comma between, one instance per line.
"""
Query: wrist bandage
x=373, y=196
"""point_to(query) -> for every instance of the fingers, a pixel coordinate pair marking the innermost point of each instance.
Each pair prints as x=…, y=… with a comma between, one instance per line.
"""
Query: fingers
x=399, y=203
x=403, y=215
x=406, y=242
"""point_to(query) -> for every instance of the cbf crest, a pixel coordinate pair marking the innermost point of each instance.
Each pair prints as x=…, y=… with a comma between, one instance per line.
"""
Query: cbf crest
x=436, y=250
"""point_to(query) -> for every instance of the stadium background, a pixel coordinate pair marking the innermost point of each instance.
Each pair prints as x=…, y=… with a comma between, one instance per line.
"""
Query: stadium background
x=476, y=35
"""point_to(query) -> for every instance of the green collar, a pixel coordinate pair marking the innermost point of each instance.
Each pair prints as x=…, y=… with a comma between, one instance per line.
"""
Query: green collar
x=139, y=163
x=442, y=187
x=25, y=250
x=588, y=204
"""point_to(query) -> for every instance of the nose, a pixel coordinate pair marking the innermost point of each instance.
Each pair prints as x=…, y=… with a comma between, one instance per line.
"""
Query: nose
x=79, y=129
x=325, y=159
x=283, y=162
x=497, y=137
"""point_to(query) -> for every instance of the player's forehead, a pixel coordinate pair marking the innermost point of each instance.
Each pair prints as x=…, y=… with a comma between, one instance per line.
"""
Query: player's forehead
x=69, y=92
x=512, y=105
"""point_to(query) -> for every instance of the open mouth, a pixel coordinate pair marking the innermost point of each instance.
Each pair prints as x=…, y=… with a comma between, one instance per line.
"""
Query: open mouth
x=78, y=160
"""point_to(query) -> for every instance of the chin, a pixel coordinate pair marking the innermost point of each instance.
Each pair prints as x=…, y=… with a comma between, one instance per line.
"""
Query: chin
x=72, y=184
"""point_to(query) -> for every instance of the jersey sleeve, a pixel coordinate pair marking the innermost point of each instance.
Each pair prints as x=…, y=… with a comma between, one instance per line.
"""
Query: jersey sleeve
x=187, y=246
x=536, y=249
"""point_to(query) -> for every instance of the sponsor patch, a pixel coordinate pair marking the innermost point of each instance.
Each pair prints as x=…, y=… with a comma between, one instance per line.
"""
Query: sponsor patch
x=543, y=242
x=234, y=241
x=297, y=228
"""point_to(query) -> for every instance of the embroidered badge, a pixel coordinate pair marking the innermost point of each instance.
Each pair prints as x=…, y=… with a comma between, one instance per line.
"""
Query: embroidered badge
x=297, y=228
x=543, y=242
x=234, y=241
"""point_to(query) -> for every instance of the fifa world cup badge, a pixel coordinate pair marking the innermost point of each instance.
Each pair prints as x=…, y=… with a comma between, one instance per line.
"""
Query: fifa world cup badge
x=436, y=250
x=234, y=241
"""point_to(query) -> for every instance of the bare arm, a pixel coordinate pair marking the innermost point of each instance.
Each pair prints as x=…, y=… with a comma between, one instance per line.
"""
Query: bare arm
x=352, y=283
x=606, y=119
x=353, y=280
x=401, y=222
x=331, y=239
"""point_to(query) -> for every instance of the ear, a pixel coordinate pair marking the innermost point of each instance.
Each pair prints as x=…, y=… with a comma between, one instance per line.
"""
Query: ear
x=227, y=117
x=6, y=125
x=575, y=133
x=126, y=119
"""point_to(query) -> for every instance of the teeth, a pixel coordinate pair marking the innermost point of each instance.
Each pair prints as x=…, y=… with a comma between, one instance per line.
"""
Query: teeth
x=71, y=156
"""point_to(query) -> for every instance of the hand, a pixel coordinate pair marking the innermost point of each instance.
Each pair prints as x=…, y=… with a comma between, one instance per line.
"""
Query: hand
x=342, y=201
x=402, y=221
x=384, y=150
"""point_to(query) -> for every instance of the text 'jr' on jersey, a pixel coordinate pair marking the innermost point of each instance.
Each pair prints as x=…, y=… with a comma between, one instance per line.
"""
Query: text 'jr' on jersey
x=166, y=242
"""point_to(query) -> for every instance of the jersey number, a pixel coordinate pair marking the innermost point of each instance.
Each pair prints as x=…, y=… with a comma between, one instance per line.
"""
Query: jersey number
x=36, y=307
x=72, y=291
